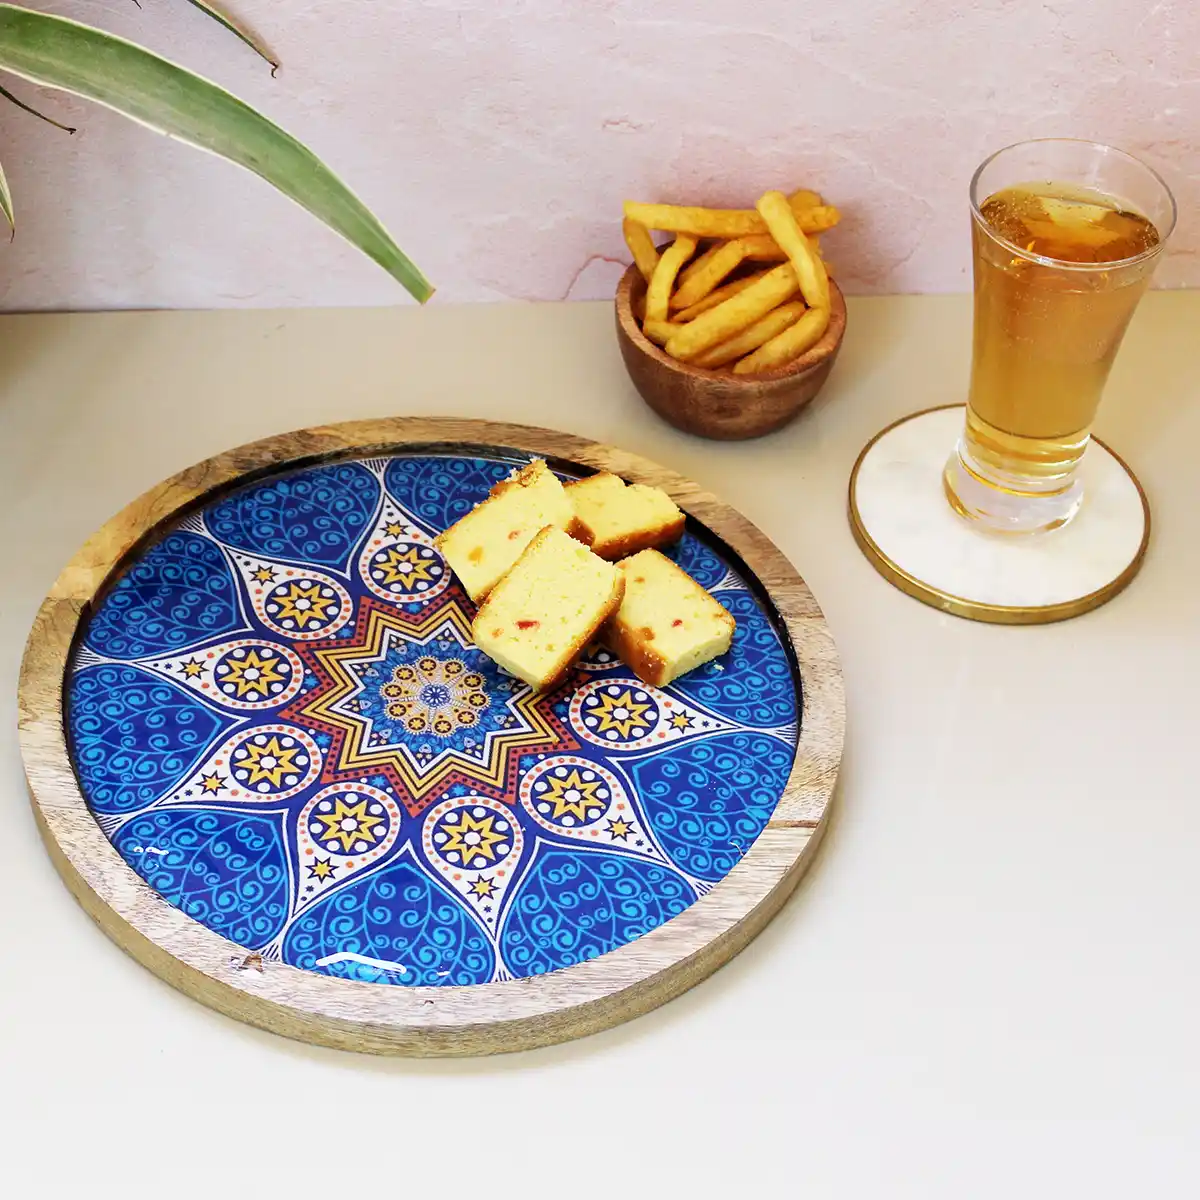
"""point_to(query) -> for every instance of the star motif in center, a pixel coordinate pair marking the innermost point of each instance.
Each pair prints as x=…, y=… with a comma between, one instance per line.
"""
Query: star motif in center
x=621, y=712
x=482, y=887
x=192, y=668
x=304, y=604
x=404, y=565
x=264, y=575
x=369, y=689
x=394, y=529
x=472, y=838
x=572, y=796
x=271, y=761
x=213, y=782
x=681, y=721
x=348, y=826
x=250, y=676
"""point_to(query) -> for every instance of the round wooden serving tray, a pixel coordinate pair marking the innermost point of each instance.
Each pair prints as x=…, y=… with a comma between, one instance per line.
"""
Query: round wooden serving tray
x=269, y=762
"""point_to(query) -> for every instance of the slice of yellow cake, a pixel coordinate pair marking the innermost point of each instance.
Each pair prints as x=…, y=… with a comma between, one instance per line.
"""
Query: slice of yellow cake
x=667, y=623
x=540, y=617
x=483, y=545
x=617, y=520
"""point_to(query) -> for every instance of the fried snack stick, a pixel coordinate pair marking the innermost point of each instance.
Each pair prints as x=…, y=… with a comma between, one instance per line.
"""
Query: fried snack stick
x=735, y=314
x=659, y=332
x=658, y=293
x=722, y=222
x=645, y=253
x=706, y=272
x=810, y=271
x=775, y=322
x=762, y=247
x=803, y=198
x=714, y=298
x=788, y=345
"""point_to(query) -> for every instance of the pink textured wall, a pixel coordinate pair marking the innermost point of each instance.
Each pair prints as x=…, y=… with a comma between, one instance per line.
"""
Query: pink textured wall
x=497, y=138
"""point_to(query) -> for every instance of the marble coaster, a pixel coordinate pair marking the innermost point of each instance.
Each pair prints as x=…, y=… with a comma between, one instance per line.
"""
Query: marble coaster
x=906, y=527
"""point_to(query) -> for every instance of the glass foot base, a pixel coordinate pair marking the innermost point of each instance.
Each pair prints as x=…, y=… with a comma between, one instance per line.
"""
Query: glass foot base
x=1007, y=511
x=905, y=525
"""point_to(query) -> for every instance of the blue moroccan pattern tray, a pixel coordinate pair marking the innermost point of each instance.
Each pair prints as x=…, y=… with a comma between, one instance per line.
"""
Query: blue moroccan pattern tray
x=278, y=718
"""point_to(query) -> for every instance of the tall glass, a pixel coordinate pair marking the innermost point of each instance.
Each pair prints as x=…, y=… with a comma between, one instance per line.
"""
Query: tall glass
x=1066, y=235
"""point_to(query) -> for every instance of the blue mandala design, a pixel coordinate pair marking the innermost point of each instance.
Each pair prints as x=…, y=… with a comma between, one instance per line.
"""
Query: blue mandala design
x=753, y=684
x=135, y=737
x=701, y=562
x=181, y=592
x=295, y=743
x=573, y=907
x=708, y=800
x=314, y=516
x=397, y=926
x=226, y=870
x=440, y=490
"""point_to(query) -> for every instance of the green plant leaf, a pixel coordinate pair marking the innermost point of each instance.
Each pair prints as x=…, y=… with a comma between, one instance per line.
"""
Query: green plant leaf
x=30, y=109
x=137, y=83
x=6, y=204
x=238, y=30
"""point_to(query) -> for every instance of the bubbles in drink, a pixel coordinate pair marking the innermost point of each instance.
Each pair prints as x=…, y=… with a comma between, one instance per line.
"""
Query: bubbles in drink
x=1068, y=224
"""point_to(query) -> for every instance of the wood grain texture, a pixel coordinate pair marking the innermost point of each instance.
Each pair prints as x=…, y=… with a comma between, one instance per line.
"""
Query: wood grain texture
x=719, y=404
x=482, y=1019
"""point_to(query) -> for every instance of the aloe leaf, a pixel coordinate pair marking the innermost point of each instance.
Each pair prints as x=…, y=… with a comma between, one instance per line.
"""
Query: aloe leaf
x=238, y=30
x=6, y=204
x=137, y=83
x=30, y=109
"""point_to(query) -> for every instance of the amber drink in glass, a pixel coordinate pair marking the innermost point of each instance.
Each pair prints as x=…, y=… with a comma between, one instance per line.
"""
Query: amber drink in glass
x=1066, y=235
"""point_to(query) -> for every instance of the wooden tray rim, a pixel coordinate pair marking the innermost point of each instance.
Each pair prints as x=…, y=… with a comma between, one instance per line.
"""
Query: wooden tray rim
x=423, y=1021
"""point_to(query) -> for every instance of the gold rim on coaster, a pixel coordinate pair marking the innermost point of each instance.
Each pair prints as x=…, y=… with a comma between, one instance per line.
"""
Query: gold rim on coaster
x=978, y=610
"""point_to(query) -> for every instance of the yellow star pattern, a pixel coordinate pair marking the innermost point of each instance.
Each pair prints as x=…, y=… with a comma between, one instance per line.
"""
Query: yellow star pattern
x=250, y=676
x=572, y=796
x=264, y=575
x=271, y=761
x=622, y=713
x=304, y=604
x=349, y=825
x=483, y=888
x=681, y=721
x=321, y=868
x=192, y=668
x=620, y=829
x=394, y=529
x=404, y=566
x=213, y=782
x=473, y=838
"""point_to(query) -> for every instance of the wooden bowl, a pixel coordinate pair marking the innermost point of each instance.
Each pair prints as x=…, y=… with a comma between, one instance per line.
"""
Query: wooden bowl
x=719, y=404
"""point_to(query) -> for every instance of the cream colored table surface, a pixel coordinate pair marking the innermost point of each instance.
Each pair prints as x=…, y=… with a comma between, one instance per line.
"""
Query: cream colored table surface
x=987, y=986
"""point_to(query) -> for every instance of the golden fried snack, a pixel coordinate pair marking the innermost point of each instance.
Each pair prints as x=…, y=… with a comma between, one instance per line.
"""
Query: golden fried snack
x=700, y=260
x=645, y=254
x=805, y=199
x=706, y=272
x=658, y=293
x=788, y=345
x=735, y=314
x=659, y=332
x=810, y=271
x=775, y=322
x=718, y=297
x=762, y=247
x=722, y=222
